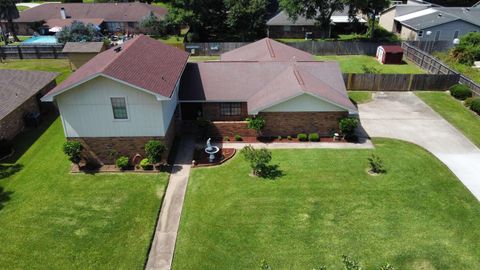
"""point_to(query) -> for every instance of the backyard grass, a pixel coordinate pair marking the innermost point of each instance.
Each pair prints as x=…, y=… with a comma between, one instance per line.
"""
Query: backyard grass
x=417, y=216
x=53, y=65
x=22, y=8
x=21, y=38
x=359, y=97
x=454, y=112
x=52, y=219
x=355, y=63
x=472, y=73
x=203, y=58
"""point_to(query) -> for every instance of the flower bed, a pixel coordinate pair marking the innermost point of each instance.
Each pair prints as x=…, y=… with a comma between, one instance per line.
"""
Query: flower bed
x=107, y=168
x=200, y=158
x=275, y=140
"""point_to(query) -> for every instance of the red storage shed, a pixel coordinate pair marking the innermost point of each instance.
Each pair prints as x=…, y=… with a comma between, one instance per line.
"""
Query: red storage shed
x=390, y=54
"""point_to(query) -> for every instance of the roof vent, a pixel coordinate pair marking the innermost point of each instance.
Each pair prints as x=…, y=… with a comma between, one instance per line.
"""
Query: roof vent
x=118, y=49
x=439, y=14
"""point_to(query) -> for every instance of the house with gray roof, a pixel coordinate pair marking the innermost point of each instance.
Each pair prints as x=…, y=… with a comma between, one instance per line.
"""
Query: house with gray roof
x=430, y=23
x=282, y=26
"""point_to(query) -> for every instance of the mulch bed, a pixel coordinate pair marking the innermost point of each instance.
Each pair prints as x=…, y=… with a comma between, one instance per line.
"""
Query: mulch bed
x=200, y=158
x=107, y=168
x=276, y=140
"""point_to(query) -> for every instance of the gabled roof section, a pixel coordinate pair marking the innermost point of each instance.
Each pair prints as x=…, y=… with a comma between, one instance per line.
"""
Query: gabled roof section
x=266, y=50
x=439, y=15
x=282, y=18
x=83, y=47
x=142, y=62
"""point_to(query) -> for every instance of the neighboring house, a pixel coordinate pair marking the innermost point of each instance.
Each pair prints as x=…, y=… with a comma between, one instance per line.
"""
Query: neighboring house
x=80, y=53
x=282, y=26
x=20, y=93
x=113, y=17
x=129, y=94
x=427, y=22
x=122, y=98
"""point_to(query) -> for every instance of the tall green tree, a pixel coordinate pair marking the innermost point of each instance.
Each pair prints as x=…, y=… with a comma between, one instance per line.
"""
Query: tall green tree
x=370, y=8
x=247, y=17
x=8, y=13
x=319, y=10
x=78, y=31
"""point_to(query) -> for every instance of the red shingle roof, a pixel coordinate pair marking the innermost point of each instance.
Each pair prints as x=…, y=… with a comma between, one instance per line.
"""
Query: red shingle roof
x=266, y=50
x=392, y=48
x=263, y=84
x=67, y=22
x=142, y=62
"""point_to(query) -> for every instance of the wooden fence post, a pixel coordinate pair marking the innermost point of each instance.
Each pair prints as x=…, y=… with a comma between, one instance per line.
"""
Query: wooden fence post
x=410, y=81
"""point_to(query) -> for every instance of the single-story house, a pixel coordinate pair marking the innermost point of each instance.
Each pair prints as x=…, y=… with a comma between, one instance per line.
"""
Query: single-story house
x=111, y=17
x=20, y=93
x=430, y=23
x=144, y=89
x=80, y=53
x=282, y=26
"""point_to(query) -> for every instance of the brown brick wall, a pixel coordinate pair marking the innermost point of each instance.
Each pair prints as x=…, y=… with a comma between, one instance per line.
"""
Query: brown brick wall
x=292, y=123
x=211, y=111
x=104, y=150
x=221, y=129
x=13, y=123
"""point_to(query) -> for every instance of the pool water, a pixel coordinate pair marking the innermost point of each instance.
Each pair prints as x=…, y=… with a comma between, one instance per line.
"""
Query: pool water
x=41, y=40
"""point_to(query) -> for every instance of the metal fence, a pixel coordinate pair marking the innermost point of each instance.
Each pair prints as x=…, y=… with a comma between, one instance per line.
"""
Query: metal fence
x=399, y=82
x=32, y=52
x=435, y=66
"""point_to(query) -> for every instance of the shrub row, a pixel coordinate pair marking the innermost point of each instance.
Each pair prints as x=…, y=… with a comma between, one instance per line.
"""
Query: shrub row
x=473, y=104
x=460, y=91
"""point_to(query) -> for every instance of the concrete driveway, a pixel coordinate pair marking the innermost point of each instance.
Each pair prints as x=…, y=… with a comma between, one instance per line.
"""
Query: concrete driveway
x=405, y=116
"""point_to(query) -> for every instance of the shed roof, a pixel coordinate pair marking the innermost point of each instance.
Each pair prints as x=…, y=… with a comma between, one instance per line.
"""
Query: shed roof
x=17, y=86
x=266, y=50
x=83, y=47
x=392, y=48
x=263, y=84
x=141, y=62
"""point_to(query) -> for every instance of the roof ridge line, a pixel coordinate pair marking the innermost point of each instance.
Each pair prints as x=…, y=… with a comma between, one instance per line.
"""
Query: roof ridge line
x=270, y=48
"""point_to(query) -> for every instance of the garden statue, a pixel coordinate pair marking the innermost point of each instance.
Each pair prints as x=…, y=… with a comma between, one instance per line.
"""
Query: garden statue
x=211, y=150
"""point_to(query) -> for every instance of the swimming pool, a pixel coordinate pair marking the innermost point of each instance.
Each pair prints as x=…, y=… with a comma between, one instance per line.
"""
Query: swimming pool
x=41, y=40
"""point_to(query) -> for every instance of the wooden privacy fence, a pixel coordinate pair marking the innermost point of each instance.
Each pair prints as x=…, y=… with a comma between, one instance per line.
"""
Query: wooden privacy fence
x=399, y=82
x=313, y=47
x=435, y=66
x=32, y=52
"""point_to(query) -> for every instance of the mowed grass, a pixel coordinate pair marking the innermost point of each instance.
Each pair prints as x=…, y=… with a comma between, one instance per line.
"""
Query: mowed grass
x=355, y=63
x=417, y=216
x=52, y=219
x=454, y=112
x=203, y=58
x=359, y=97
x=61, y=66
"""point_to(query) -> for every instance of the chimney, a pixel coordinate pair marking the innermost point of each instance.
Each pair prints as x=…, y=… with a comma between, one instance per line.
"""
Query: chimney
x=63, y=15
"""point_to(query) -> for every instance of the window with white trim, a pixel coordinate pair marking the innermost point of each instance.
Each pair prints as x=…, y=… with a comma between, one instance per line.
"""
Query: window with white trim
x=119, y=108
x=230, y=109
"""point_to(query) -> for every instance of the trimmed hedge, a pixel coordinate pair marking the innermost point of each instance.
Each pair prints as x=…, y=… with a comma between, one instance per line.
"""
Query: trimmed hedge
x=475, y=105
x=313, y=137
x=460, y=91
x=122, y=162
x=302, y=137
x=238, y=138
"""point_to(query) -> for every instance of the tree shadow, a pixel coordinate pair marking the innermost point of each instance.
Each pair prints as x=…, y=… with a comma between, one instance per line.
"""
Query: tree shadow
x=271, y=172
x=8, y=170
x=4, y=197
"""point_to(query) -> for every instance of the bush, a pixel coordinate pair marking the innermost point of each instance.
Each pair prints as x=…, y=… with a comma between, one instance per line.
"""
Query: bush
x=238, y=138
x=256, y=123
x=73, y=150
x=370, y=70
x=145, y=164
x=347, y=127
x=154, y=150
x=468, y=50
x=376, y=164
x=475, y=106
x=5, y=148
x=122, y=162
x=279, y=138
x=468, y=102
x=289, y=137
x=226, y=138
x=258, y=159
x=302, y=137
x=460, y=91
x=313, y=137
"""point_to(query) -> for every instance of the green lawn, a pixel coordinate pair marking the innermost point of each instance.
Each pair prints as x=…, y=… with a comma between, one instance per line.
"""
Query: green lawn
x=359, y=97
x=472, y=73
x=54, y=65
x=417, y=216
x=22, y=38
x=454, y=112
x=203, y=58
x=354, y=64
x=52, y=219
x=22, y=8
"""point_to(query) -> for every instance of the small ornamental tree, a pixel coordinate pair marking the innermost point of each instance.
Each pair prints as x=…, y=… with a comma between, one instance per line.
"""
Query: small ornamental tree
x=154, y=150
x=257, y=123
x=258, y=159
x=347, y=126
x=73, y=150
x=78, y=31
x=376, y=164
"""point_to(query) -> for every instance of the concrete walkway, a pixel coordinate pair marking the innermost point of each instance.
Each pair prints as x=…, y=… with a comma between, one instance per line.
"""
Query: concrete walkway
x=405, y=116
x=163, y=244
x=363, y=144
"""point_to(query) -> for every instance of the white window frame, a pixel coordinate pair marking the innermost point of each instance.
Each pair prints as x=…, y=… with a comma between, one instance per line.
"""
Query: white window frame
x=126, y=108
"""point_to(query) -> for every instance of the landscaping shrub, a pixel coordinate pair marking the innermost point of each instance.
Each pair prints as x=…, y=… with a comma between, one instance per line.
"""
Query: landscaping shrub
x=313, y=137
x=279, y=138
x=154, y=150
x=289, y=137
x=5, y=148
x=475, y=106
x=226, y=138
x=256, y=123
x=145, y=164
x=122, y=162
x=468, y=102
x=302, y=137
x=238, y=138
x=73, y=150
x=460, y=91
x=347, y=127
x=376, y=164
x=370, y=70
x=468, y=50
x=258, y=159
